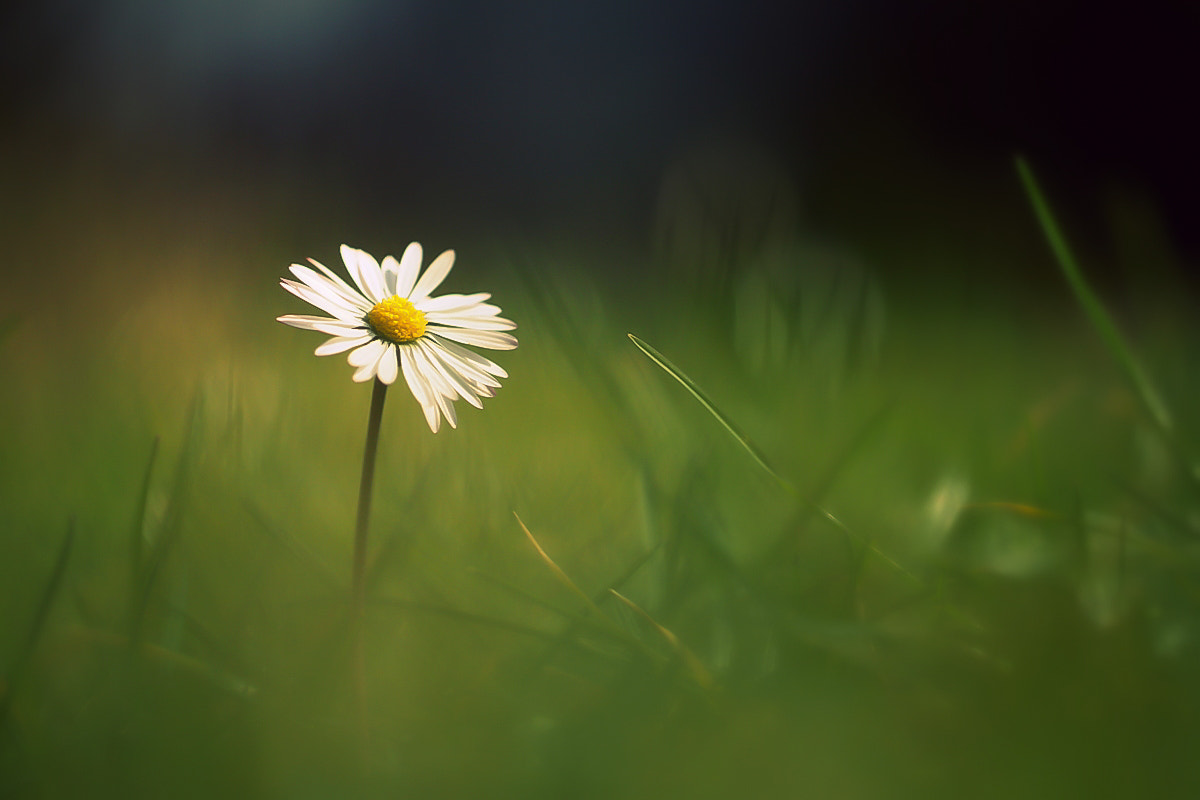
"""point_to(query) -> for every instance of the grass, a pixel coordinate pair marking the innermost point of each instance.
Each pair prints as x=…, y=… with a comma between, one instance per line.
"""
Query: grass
x=969, y=569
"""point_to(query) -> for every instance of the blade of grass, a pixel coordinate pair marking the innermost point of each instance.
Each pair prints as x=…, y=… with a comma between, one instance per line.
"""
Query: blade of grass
x=825, y=482
x=594, y=615
x=703, y=399
x=696, y=668
x=562, y=576
x=577, y=623
x=466, y=616
x=139, y=515
x=290, y=545
x=165, y=542
x=165, y=657
x=1101, y=320
x=1181, y=529
x=698, y=393
x=53, y=585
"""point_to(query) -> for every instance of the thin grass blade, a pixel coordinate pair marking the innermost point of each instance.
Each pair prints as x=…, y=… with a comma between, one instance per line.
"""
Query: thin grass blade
x=53, y=586
x=695, y=667
x=562, y=576
x=139, y=519
x=1101, y=320
x=594, y=615
x=165, y=542
x=699, y=394
x=704, y=400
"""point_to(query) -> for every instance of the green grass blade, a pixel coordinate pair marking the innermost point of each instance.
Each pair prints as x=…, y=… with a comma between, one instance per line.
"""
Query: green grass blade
x=704, y=400
x=39, y=618
x=695, y=667
x=469, y=617
x=165, y=542
x=1101, y=320
x=139, y=517
x=699, y=394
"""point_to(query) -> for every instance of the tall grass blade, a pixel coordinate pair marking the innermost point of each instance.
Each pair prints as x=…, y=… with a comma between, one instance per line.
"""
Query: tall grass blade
x=290, y=545
x=699, y=394
x=1179, y=526
x=470, y=617
x=165, y=542
x=695, y=667
x=704, y=400
x=53, y=585
x=562, y=576
x=595, y=617
x=165, y=657
x=136, y=537
x=1101, y=320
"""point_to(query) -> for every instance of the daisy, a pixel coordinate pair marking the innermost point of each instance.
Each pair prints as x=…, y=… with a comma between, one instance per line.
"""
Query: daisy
x=391, y=325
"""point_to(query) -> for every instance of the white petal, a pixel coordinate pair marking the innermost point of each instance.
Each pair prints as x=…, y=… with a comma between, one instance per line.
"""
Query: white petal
x=432, y=417
x=327, y=304
x=367, y=354
x=475, y=323
x=435, y=273
x=471, y=357
x=448, y=411
x=364, y=269
x=340, y=344
x=364, y=373
x=461, y=386
x=389, y=367
x=410, y=265
x=437, y=378
x=471, y=372
x=452, y=302
x=334, y=288
x=440, y=390
x=390, y=269
x=334, y=327
x=337, y=279
x=420, y=390
x=489, y=339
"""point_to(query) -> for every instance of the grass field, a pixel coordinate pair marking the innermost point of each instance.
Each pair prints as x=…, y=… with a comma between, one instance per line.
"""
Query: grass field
x=932, y=539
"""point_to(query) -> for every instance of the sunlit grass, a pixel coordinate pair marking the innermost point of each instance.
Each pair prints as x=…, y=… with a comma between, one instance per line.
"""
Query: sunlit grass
x=795, y=538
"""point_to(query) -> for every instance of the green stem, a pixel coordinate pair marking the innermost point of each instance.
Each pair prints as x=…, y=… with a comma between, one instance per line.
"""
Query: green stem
x=365, y=487
x=1101, y=320
x=359, y=587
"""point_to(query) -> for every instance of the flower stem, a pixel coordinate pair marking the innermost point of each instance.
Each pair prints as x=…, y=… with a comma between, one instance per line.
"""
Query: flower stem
x=359, y=586
x=365, y=487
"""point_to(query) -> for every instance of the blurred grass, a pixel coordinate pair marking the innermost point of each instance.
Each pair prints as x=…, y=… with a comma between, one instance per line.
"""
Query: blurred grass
x=702, y=631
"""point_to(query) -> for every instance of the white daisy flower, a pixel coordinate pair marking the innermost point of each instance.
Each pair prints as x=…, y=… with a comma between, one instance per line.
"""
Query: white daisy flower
x=391, y=324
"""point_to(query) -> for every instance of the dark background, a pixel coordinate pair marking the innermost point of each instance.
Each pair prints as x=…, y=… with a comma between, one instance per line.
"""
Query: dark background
x=547, y=117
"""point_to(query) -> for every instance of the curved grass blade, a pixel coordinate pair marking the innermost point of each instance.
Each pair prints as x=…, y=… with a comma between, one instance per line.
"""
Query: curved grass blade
x=562, y=576
x=469, y=617
x=695, y=666
x=39, y=619
x=139, y=519
x=173, y=659
x=1101, y=320
x=171, y=530
x=699, y=394
x=594, y=616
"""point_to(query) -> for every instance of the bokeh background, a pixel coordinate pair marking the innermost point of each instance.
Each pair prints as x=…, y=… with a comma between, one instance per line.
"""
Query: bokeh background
x=810, y=208
x=549, y=118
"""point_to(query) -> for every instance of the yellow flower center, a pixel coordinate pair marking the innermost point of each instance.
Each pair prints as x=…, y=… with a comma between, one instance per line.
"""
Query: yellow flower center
x=396, y=319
